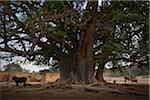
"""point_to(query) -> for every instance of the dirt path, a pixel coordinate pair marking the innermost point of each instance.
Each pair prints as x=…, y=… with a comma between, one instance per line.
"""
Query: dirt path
x=101, y=96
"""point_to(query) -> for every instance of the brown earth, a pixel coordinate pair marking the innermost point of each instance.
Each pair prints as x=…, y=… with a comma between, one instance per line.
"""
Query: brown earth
x=43, y=91
x=48, y=91
x=4, y=76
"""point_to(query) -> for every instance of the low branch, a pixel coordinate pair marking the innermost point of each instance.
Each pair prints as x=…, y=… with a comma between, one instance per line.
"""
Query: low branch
x=21, y=53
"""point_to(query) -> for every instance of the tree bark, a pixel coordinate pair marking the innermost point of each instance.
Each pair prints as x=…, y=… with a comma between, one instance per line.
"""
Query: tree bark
x=80, y=66
x=100, y=70
x=85, y=60
x=99, y=73
x=64, y=67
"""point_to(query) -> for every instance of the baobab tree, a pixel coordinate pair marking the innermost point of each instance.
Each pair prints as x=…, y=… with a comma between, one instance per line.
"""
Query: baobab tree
x=76, y=34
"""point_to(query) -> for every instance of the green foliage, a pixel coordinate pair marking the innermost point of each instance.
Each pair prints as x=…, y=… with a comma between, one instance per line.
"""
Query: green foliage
x=144, y=49
x=58, y=31
x=54, y=67
x=44, y=71
x=108, y=46
x=55, y=6
x=13, y=67
x=116, y=69
x=129, y=70
x=48, y=51
x=119, y=22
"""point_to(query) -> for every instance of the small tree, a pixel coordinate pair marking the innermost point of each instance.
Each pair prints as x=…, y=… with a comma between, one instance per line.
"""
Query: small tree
x=13, y=67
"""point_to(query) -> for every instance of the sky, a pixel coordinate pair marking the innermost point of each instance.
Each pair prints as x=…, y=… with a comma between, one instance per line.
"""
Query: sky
x=31, y=67
x=20, y=60
x=27, y=66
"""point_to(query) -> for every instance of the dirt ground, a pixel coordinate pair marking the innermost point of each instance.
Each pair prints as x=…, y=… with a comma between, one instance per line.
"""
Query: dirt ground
x=43, y=91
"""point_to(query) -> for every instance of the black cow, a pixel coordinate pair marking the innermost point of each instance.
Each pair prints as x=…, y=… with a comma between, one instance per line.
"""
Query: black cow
x=19, y=80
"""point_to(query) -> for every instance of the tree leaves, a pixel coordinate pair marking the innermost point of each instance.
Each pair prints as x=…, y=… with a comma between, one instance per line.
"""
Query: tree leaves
x=117, y=23
x=55, y=6
x=120, y=22
x=13, y=67
x=59, y=32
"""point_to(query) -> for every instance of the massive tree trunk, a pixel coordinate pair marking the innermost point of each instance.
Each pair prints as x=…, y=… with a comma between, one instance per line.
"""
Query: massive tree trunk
x=64, y=66
x=69, y=71
x=80, y=66
x=85, y=52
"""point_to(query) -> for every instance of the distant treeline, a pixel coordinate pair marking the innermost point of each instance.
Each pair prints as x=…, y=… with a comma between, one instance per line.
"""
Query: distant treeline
x=128, y=71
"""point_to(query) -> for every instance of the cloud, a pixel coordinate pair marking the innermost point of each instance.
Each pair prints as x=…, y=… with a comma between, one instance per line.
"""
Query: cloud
x=34, y=68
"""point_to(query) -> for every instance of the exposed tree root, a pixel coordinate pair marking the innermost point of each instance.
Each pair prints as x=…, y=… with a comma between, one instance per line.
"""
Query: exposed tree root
x=90, y=89
x=60, y=84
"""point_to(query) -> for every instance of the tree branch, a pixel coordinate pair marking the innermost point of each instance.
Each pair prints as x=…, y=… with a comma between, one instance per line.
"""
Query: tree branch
x=58, y=16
